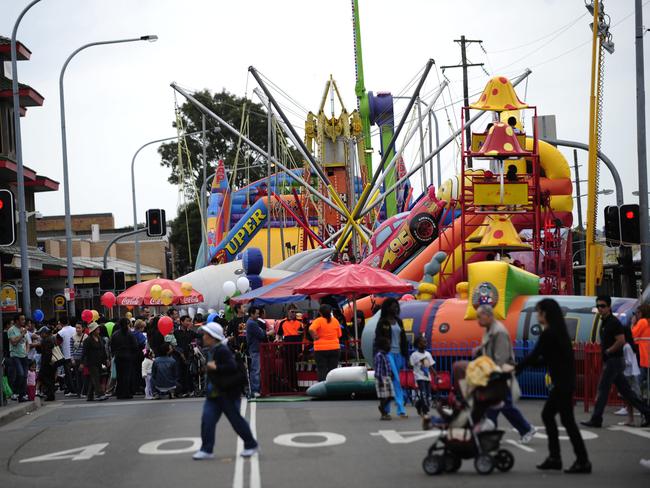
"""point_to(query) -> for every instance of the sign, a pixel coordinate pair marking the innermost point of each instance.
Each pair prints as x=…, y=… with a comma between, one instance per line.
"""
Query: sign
x=59, y=302
x=68, y=293
x=9, y=298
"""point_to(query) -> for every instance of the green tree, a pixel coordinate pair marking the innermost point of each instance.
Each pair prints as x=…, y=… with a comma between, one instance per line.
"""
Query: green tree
x=183, y=259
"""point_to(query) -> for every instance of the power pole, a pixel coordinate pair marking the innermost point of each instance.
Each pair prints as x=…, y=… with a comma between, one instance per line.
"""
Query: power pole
x=464, y=64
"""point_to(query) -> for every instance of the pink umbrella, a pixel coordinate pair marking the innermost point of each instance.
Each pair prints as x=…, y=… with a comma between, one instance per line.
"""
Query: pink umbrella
x=140, y=294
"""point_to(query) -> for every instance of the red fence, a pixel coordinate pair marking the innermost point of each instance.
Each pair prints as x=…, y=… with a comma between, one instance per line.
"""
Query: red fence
x=288, y=368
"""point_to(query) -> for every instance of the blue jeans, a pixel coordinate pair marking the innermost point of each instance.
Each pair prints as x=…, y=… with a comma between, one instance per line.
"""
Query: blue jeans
x=20, y=367
x=397, y=363
x=212, y=410
x=512, y=413
x=255, y=372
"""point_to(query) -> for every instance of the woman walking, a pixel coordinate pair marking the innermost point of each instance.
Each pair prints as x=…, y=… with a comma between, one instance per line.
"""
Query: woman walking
x=555, y=350
x=124, y=347
x=326, y=331
x=94, y=356
x=391, y=327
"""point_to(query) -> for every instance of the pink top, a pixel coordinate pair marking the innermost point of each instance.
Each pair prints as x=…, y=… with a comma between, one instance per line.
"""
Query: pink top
x=31, y=378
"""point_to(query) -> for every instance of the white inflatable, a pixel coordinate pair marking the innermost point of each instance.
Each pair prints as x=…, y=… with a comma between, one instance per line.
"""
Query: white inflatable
x=348, y=374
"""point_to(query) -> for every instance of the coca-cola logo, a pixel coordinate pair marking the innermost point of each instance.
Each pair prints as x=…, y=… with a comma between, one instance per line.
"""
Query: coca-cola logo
x=189, y=300
x=130, y=301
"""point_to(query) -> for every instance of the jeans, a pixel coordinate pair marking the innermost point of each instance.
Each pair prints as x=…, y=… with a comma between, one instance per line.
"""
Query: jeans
x=424, y=392
x=613, y=375
x=326, y=361
x=397, y=363
x=561, y=401
x=20, y=367
x=212, y=410
x=254, y=372
x=512, y=413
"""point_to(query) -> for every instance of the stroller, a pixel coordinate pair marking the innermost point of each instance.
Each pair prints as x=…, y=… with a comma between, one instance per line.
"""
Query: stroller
x=448, y=451
x=197, y=362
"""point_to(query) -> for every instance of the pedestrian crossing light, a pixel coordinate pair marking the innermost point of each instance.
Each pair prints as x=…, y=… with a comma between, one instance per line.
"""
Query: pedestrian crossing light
x=630, y=228
x=7, y=218
x=612, y=226
x=156, y=222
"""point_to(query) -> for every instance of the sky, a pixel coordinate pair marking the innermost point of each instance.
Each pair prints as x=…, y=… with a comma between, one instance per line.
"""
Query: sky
x=118, y=97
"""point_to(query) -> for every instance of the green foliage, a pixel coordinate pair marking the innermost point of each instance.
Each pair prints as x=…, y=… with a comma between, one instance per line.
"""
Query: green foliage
x=184, y=260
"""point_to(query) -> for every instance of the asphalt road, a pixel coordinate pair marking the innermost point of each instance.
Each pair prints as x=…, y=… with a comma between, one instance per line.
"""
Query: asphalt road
x=318, y=444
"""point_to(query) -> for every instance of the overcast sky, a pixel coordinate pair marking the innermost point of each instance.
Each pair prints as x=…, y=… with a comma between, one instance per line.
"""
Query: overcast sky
x=118, y=97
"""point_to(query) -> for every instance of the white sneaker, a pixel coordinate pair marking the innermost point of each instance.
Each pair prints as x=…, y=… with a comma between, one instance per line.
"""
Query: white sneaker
x=621, y=411
x=528, y=436
x=200, y=455
x=645, y=463
x=248, y=452
x=257, y=395
x=14, y=397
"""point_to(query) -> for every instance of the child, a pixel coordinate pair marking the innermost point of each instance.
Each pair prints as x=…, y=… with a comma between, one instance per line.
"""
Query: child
x=31, y=381
x=631, y=374
x=383, y=377
x=147, y=366
x=164, y=372
x=421, y=361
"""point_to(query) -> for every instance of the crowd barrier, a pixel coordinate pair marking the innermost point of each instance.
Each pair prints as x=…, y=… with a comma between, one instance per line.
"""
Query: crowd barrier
x=288, y=368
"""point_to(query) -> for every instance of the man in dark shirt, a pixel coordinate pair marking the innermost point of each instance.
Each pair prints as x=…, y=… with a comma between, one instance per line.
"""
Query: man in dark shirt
x=255, y=334
x=184, y=337
x=612, y=340
x=236, y=330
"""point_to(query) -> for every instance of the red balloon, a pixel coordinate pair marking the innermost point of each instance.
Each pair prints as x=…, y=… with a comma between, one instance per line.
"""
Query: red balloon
x=87, y=316
x=407, y=298
x=108, y=299
x=165, y=325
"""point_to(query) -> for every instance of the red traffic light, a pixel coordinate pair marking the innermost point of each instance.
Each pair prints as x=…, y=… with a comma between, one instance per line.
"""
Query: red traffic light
x=629, y=214
x=2, y=204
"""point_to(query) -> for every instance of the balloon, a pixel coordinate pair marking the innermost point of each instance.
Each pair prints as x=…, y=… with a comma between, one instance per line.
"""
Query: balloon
x=39, y=293
x=95, y=315
x=229, y=288
x=167, y=297
x=191, y=312
x=211, y=317
x=186, y=288
x=407, y=298
x=38, y=315
x=128, y=315
x=155, y=291
x=108, y=299
x=109, y=328
x=87, y=316
x=165, y=325
x=243, y=284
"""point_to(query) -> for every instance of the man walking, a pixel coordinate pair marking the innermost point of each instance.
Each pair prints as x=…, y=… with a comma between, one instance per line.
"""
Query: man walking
x=497, y=345
x=612, y=340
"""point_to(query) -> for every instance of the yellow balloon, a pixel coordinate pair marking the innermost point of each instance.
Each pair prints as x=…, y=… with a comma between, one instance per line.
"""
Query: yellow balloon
x=155, y=291
x=129, y=315
x=186, y=288
x=167, y=297
x=95, y=315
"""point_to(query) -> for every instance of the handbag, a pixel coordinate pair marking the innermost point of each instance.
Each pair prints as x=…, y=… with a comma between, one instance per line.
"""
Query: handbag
x=57, y=356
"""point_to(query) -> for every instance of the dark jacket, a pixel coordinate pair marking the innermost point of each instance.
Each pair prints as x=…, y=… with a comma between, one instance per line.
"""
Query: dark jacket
x=184, y=338
x=556, y=353
x=226, y=365
x=383, y=330
x=164, y=373
x=94, y=353
x=124, y=345
x=254, y=335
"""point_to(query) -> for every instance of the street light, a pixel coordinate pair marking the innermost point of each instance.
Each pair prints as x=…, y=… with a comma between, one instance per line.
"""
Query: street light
x=601, y=192
x=64, y=149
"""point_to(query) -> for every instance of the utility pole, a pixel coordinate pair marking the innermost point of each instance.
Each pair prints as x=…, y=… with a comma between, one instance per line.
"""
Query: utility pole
x=578, y=194
x=464, y=64
x=641, y=146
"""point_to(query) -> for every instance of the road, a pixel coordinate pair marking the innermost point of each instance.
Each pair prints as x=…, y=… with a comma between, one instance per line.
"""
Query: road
x=319, y=444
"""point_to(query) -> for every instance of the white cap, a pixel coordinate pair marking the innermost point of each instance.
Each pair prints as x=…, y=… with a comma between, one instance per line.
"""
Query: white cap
x=215, y=330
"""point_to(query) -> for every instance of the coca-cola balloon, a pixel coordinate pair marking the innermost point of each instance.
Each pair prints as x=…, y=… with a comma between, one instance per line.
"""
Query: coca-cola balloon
x=165, y=325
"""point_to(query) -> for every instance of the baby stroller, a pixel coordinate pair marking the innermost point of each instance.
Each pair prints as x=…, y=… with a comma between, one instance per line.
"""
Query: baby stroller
x=197, y=362
x=462, y=439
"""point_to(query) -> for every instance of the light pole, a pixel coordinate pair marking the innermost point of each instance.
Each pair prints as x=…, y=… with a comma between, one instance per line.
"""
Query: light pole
x=20, y=172
x=64, y=149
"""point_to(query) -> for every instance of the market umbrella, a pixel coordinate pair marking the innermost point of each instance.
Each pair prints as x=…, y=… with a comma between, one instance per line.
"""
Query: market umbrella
x=140, y=294
x=353, y=281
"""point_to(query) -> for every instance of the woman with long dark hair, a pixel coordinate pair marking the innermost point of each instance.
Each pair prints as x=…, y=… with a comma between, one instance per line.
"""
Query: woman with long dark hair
x=555, y=350
x=124, y=348
x=391, y=327
x=326, y=331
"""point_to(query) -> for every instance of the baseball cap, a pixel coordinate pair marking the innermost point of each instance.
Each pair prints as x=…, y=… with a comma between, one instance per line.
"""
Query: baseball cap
x=214, y=330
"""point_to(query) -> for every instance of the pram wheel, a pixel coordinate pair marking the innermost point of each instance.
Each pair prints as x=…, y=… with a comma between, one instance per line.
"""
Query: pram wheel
x=504, y=460
x=433, y=464
x=452, y=462
x=484, y=464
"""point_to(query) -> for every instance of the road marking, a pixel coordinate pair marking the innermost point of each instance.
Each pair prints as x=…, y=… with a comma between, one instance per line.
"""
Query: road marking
x=77, y=454
x=631, y=430
x=519, y=445
x=238, y=478
x=406, y=437
x=153, y=447
x=330, y=439
x=119, y=403
x=255, y=480
x=587, y=435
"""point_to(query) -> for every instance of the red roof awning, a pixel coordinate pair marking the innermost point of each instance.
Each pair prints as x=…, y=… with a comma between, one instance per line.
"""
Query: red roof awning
x=43, y=183
x=27, y=95
x=22, y=53
x=8, y=170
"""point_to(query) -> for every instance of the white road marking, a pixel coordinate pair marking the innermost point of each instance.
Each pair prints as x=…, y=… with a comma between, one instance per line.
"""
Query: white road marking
x=77, y=454
x=238, y=478
x=153, y=447
x=118, y=403
x=587, y=435
x=255, y=480
x=631, y=430
x=406, y=437
x=330, y=439
x=520, y=445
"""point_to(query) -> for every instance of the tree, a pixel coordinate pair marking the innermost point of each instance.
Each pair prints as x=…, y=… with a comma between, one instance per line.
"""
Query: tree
x=184, y=260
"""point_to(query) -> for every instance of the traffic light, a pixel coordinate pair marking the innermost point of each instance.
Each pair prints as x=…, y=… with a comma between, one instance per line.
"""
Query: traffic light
x=120, y=282
x=630, y=228
x=7, y=218
x=156, y=223
x=612, y=226
x=107, y=280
